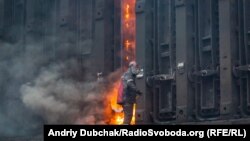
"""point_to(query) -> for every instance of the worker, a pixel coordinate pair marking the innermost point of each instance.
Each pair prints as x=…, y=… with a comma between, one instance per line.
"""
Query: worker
x=130, y=91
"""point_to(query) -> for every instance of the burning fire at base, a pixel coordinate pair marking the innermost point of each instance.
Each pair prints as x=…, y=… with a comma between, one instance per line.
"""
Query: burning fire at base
x=128, y=19
x=113, y=111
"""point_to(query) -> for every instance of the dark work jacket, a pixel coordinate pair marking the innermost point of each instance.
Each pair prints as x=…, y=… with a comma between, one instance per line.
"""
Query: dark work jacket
x=130, y=89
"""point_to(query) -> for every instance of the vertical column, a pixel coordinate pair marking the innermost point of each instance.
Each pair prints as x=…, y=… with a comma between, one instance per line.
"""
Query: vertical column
x=50, y=27
x=1, y=44
x=164, y=76
x=34, y=23
x=1, y=18
x=19, y=24
x=8, y=18
x=103, y=36
x=227, y=54
x=117, y=35
x=246, y=7
x=99, y=30
x=207, y=64
x=85, y=31
x=64, y=29
x=144, y=52
x=184, y=57
x=244, y=59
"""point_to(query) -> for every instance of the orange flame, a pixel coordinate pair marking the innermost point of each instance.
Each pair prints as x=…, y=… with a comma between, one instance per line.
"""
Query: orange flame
x=115, y=114
x=128, y=30
x=113, y=111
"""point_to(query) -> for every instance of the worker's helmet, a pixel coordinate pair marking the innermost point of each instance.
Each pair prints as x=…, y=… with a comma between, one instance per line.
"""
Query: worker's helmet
x=134, y=68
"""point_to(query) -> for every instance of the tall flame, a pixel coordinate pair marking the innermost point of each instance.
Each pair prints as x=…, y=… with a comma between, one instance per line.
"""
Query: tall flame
x=113, y=111
x=128, y=19
x=128, y=30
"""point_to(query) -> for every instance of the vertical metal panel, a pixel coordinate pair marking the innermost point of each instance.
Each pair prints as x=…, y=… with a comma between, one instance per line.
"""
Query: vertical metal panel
x=208, y=93
x=103, y=36
x=228, y=105
x=240, y=54
x=246, y=14
x=165, y=63
x=1, y=18
x=19, y=20
x=65, y=33
x=50, y=26
x=83, y=12
x=242, y=69
x=117, y=35
x=8, y=20
x=15, y=31
x=184, y=57
x=1, y=50
x=85, y=30
x=109, y=34
x=34, y=22
x=144, y=48
x=99, y=38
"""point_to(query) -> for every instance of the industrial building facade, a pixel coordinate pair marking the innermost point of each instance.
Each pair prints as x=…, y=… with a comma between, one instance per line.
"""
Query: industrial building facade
x=195, y=53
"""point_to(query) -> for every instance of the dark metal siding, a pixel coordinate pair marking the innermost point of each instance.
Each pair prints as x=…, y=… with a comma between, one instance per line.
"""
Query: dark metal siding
x=195, y=53
x=197, y=57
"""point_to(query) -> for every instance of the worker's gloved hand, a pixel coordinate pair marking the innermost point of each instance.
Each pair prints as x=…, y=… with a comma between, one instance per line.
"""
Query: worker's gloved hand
x=139, y=92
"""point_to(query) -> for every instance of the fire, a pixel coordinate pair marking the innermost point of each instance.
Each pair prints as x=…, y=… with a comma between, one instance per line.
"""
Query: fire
x=128, y=30
x=127, y=45
x=115, y=114
x=127, y=15
x=127, y=58
x=128, y=34
x=113, y=111
x=128, y=18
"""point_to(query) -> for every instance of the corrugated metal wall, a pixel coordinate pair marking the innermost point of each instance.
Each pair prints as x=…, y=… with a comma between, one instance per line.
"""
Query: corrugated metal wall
x=195, y=56
x=64, y=27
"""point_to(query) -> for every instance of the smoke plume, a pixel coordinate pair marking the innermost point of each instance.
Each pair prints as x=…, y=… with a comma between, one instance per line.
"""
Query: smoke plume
x=44, y=78
x=39, y=91
x=60, y=99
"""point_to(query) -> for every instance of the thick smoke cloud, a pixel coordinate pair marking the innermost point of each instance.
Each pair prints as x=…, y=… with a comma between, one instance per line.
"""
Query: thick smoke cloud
x=16, y=68
x=43, y=75
x=37, y=90
x=60, y=99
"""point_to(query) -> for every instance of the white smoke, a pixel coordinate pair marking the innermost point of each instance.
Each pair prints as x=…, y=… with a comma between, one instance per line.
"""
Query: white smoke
x=43, y=77
x=37, y=89
x=59, y=99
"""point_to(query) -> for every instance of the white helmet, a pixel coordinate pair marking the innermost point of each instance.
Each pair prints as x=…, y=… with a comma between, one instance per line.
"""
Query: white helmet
x=134, y=68
x=132, y=64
